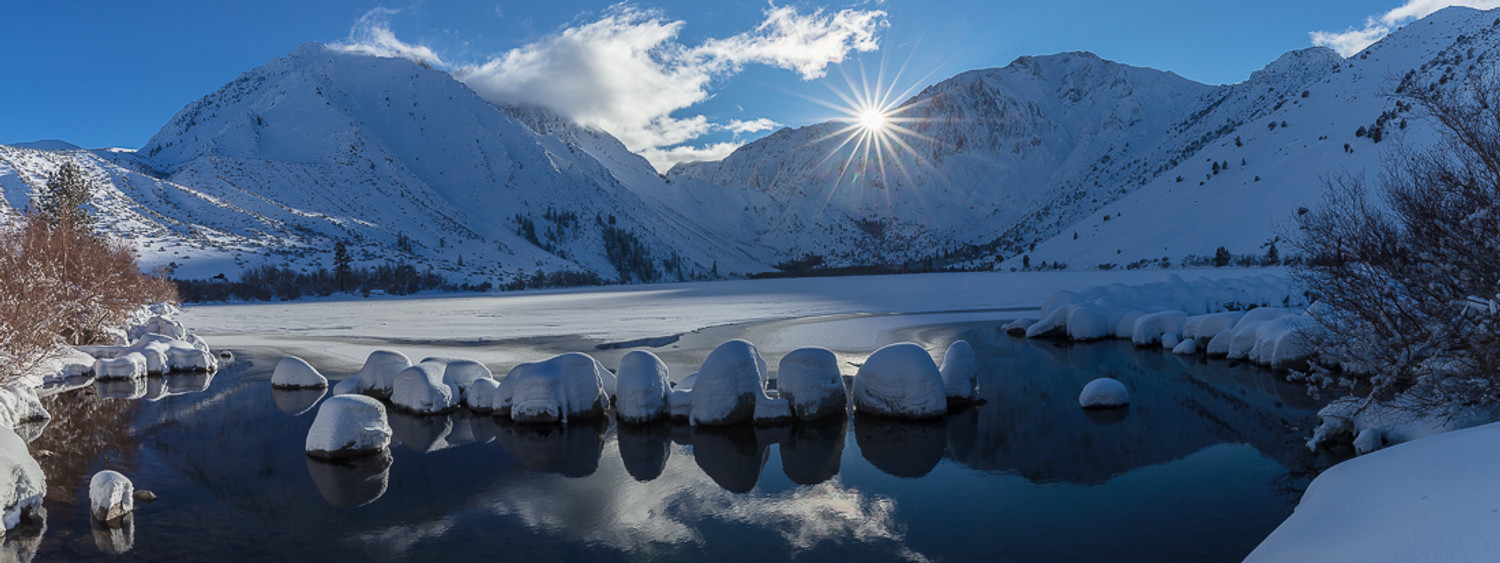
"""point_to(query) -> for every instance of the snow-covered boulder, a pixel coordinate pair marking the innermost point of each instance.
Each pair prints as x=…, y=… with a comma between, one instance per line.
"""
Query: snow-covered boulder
x=960, y=374
x=1205, y=327
x=1104, y=393
x=420, y=389
x=481, y=395
x=19, y=405
x=165, y=327
x=295, y=373
x=680, y=403
x=730, y=382
x=1151, y=329
x=900, y=381
x=191, y=359
x=1368, y=440
x=129, y=366
x=643, y=387
x=377, y=376
x=1017, y=328
x=348, y=426
x=1053, y=323
x=461, y=372
x=22, y=483
x=1237, y=341
x=111, y=497
x=554, y=390
x=809, y=379
x=1089, y=322
x=1187, y=347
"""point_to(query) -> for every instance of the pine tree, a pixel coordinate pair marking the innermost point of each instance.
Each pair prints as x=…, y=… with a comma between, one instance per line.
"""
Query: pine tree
x=61, y=201
x=342, y=269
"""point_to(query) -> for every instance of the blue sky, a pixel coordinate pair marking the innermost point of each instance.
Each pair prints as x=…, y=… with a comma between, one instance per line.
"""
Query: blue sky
x=101, y=73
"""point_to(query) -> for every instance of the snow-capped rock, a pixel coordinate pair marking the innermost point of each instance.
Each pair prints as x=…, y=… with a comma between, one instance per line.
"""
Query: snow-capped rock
x=460, y=372
x=643, y=388
x=960, y=372
x=729, y=383
x=129, y=366
x=809, y=379
x=377, y=376
x=22, y=483
x=481, y=395
x=900, y=381
x=564, y=387
x=422, y=389
x=348, y=426
x=111, y=497
x=1103, y=393
x=295, y=373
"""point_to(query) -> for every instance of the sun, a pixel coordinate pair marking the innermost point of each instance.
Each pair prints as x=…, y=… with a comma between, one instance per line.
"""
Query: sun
x=872, y=120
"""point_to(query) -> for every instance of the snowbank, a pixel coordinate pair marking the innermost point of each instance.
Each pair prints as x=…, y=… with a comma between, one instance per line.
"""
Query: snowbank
x=900, y=381
x=377, y=376
x=643, y=387
x=555, y=390
x=730, y=382
x=295, y=373
x=128, y=366
x=960, y=374
x=20, y=405
x=1431, y=499
x=421, y=389
x=22, y=483
x=348, y=426
x=110, y=497
x=809, y=379
x=1104, y=393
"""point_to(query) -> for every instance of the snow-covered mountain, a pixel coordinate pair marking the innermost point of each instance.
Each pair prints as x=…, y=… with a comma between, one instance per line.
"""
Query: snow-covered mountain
x=1066, y=158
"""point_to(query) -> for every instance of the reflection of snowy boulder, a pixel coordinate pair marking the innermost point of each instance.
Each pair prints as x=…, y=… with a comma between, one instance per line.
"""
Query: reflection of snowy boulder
x=481, y=395
x=128, y=366
x=421, y=433
x=377, y=376
x=134, y=388
x=809, y=379
x=348, y=426
x=420, y=389
x=22, y=483
x=644, y=449
x=814, y=451
x=960, y=373
x=462, y=373
x=730, y=382
x=116, y=539
x=554, y=390
x=901, y=381
x=1104, y=393
x=351, y=482
x=904, y=448
x=296, y=402
x=643, y=388
x=295, y=373
x=731, y=456
x=572, y=450
x=111, y=496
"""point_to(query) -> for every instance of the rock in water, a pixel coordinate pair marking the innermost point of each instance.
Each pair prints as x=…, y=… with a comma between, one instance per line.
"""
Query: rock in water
x=900, y=381
x=295, y=373
x=809, y=379
x=729, y=384
x=643, y=387
x=960, y=374
x=111, y=497
x=22, y=484
x=144, y=495
x=377, y=376
x=348, y=426
x=420, y=389
x=1104, y=393
x=555, y=390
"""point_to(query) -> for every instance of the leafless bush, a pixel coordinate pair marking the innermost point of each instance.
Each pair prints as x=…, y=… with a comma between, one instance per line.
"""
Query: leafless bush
x=1409, y=281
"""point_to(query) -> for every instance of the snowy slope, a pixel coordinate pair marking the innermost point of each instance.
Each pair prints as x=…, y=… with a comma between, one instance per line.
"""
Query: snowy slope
x=1246, y=206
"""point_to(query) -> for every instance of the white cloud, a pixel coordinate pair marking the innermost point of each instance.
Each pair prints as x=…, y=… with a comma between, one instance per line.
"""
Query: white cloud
x=371, y=35
x=753, y=126
x=1354, y=40
x=628, y=74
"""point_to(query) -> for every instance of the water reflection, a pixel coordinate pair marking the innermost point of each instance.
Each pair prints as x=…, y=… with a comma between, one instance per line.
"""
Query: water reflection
x=297, y=402
x=644, y=449
x=353, y=482
x=115, y=539
x=730, y=455
x=904, y=448
x=811, y=454
x=572, y=450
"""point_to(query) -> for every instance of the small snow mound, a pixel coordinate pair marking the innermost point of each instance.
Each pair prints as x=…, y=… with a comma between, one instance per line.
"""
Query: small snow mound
x=461, y=372
x=420, y=389
x=681, y=404
x=22, y=483
x=770, y=411
x=900, y=381
x=1104, y=393
x=481, y=395
x=1151, y=329
x=295, y=373
x=378, y=376
x=111, y=497
x=348, y=426
x=1186, y=347
x=643, y=387
x=554, y=390
x=128, y=366
x=730, y=382
x=1368, y=440
x=809, y=379
x=960, y=373
x=20, y=405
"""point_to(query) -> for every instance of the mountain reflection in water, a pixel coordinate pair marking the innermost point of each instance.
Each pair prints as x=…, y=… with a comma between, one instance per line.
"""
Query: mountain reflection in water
x=1203, y=443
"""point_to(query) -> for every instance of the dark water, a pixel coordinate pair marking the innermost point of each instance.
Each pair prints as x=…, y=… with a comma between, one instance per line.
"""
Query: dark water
x=1202, y=466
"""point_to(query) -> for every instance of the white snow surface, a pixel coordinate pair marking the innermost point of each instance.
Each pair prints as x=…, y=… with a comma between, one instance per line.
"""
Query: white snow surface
x=377, y=376
x=22, y=483
x=128, y=366
x=730, y=383
x=960, y=372
x=461, y=372
x=1432, y=499
x=295, y=373
x=481, y=395
x=1102, y=393
x=347, y=426
x=19, y=405
x=554, y=390
x=643, y=388
x=421, y=389
x=110, y=496
x=900, y=381
x=809, y=379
